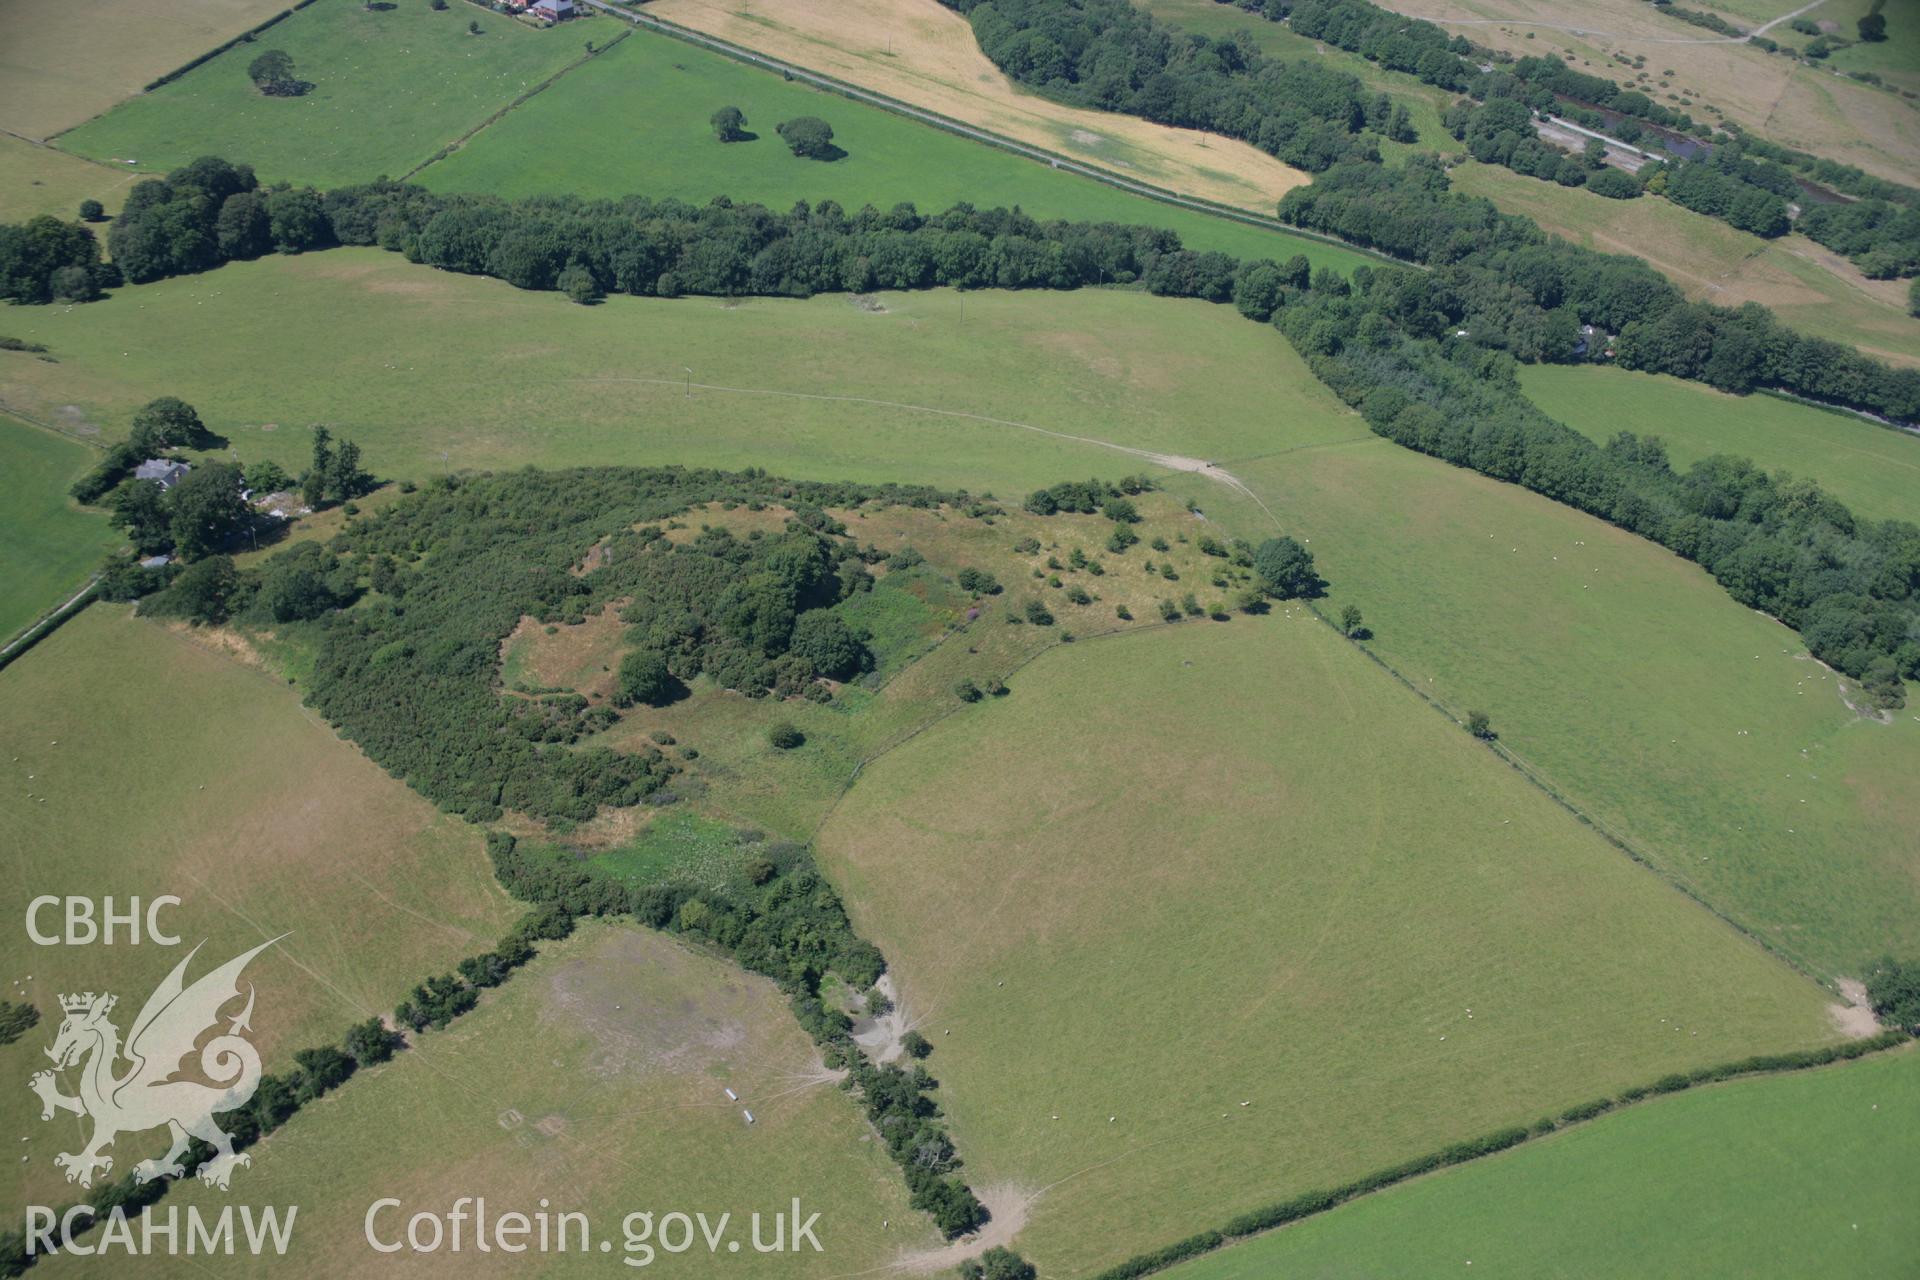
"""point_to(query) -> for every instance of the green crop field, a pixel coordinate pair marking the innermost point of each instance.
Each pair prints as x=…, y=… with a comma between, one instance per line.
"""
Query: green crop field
x=391, y=86
x=141, y=761
x=635, y=120
x=1874, y=470
x=1798, y=1175
x=48, y=545
x=1153, y=884
x=433, y=372
x=622, y=1109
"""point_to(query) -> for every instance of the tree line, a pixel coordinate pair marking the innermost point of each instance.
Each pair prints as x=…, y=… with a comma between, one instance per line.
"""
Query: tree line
x=780, y=918
x=1110, y=56
x=1498, y=290
x=1742, y=180
x=1527, y=293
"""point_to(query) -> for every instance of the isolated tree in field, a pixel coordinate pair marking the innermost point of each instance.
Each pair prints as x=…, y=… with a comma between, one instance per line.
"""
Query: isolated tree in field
x=1286, y=569
x=785, y=736
x=92, y=211
x=167, y=422
x=473, y=28
x=1873, y=25
x=1352, y=625
x=1480, y=727
x=916, y=1045
x=644, y=678
x=808, y=137
x=272, y=74
x=729, y=124
x=207, y=510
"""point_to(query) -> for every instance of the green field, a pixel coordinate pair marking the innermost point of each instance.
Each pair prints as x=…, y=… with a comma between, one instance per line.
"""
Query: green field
x=1693, y=727
x=391, y=87
x=1212, y=864
x=36, y=180
x=48, y=545
x=433, y=372
x=1798, y=1175
x=620, y=1109
x=1874, y=470
x=144, y=761
x=635, y=120
x=417, y=364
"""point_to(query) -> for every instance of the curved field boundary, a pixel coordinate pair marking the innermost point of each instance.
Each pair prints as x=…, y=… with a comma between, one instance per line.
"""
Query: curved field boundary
x=832, y=84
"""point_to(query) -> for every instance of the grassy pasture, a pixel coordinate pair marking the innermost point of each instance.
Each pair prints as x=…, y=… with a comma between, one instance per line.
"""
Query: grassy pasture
x=415, y=364
x=36, y=180
x=391, y=87
x=433, y=372
x=1151, y=884
x=594, y=1080
x=48, y=544
x=1874, y=470
x=1796, y=1175
x=63, y=63
x=182, y=769
x=1692, y=726
x=926, y=55
x=1808, y=286
x=649, y=99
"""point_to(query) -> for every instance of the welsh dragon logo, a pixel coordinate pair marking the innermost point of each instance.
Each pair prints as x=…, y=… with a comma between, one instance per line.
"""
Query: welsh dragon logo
x=150, y=1093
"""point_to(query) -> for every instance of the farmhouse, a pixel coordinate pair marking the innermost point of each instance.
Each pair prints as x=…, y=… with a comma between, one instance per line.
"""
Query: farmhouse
x=164, y=472
x=553, y=10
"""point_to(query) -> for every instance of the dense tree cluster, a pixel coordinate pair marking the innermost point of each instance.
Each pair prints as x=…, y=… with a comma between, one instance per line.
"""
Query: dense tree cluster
x=788, y=924
x=209, y=212
x=1881, y=237
x=1751, y=195
x=411, y=674
x=46, y=260
x=1501, y=132
x=1109, y=55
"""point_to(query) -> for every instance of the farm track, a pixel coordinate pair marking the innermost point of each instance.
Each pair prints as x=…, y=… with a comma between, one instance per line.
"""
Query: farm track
x=1615, y=35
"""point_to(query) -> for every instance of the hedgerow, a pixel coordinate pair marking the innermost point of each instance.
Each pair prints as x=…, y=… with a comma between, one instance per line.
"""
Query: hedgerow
x=1309, y=1203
